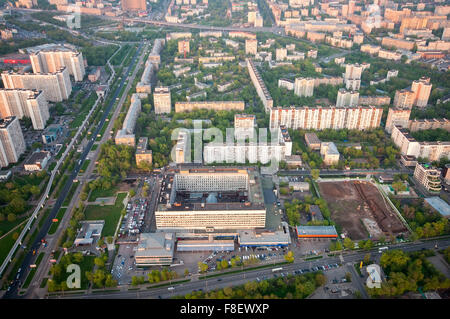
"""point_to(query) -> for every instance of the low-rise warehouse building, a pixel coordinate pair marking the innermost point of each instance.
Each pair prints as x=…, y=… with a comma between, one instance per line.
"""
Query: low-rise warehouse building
x=155, y=249
x=251, y=238
x=205, y=245
x=316, y=232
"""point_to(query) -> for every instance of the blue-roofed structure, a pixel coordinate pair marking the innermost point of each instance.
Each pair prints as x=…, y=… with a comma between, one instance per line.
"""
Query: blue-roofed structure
x=316, y=232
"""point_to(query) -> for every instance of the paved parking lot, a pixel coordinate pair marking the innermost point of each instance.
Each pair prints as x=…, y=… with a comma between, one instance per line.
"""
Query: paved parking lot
x=336, y=287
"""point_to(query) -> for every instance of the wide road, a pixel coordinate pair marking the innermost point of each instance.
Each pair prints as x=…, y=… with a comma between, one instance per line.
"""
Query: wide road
x=29, y=258
x=241, y=278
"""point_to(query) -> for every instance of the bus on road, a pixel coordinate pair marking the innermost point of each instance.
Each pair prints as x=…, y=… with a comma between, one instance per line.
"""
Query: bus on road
x=277, y=269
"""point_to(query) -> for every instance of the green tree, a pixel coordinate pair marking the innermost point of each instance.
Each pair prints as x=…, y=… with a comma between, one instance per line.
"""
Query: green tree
x=348, y=243
x=315, y=173
x=289, y=256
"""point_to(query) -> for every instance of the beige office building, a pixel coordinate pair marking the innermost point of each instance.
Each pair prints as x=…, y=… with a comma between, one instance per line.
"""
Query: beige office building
x=12, y=143
x=162, y=100
x=56, y=86
x=54, y=59
x=29, y=103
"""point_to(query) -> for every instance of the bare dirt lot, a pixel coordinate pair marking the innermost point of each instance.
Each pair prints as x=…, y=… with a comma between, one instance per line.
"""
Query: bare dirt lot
x=360, y=209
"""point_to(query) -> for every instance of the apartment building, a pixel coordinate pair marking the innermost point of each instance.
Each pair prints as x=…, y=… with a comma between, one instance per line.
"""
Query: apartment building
x=397, y=116
x=56, y=86
x=409, y=146
x=125, y=136
x=29, y=103
x=134, y=5
x=286, y=83
x=397, y=43
x=252, y=152
x=304, y=87
x=428, y=177
x=209, y=105
x=404, y=99
x=251, y=46
x=320, y=118
x=389, y=55
x=183, y=47
x=375, y=100
x=183, y=148
x=422, y=90
x=259, y=85
x=429, y=124
x=53, y=59
x=12, y=143
x=280, y=54
x=312, y=141
x=244, y=125
x=143, y=155
x=352, y=76
x=143, y=87
x=347, y=98
x=162, y=100
x=154, y=56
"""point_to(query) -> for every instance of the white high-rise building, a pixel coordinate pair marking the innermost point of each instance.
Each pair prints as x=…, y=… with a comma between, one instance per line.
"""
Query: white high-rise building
x=56, y=86
x=352, y=76
x=304, y=87
x=53, y=59
x=162, y=100
x=12, y=143
x=347, y=98
x=29, y=103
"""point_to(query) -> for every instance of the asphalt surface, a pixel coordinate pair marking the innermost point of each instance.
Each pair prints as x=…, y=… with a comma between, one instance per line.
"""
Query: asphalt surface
x=29, y=258
x=241, y=278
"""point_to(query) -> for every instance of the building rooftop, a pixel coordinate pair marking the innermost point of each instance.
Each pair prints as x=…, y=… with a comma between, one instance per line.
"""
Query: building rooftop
x=316, y=231
x=439, y=205
x=155, y=244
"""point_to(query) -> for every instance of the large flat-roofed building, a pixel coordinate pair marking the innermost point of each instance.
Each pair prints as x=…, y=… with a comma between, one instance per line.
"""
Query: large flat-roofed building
x=144, y=86
x=51, y=60
x=209, y=105
x=125, y=136
x=422, y=90
x=316, y=232
x=12, y=143
x=37, y=162
x=312, y=141
x=143, y=155
x=205, y=245
x=251, y=46
x=51, y=133
x=427, y=124
x=29, y=103
x=162, y=100
x=154, y=56
x=404, y=98
x=428, y=177
x=56, y=86
x=320, y=118
x=155, y=249
x=260, y=86
x=212, y=200
x=256, y=238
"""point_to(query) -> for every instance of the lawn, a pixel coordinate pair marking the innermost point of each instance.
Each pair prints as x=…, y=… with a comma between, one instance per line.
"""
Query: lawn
x=110, y=214
x=85, y=166
x=69, y=196
x=102, y=193
x=6, y=226
x=55, y=225
x=5, y=246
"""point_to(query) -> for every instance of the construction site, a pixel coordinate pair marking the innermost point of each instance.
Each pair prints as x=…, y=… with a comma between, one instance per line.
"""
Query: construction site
x=361, y=210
